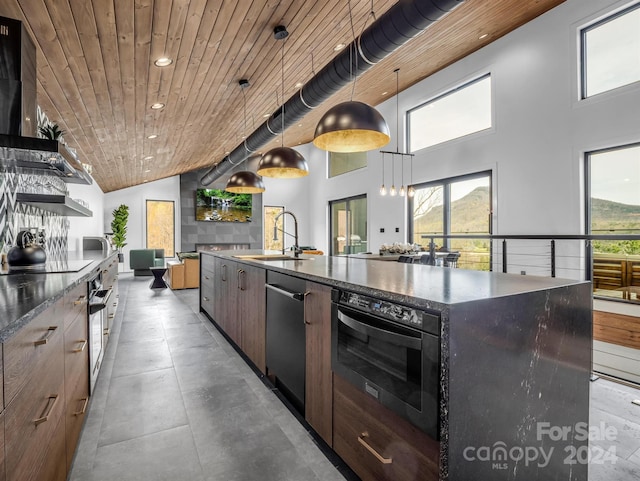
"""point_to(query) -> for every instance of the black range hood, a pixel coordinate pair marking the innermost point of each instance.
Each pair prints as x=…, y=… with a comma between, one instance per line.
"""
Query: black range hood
x=20, y=149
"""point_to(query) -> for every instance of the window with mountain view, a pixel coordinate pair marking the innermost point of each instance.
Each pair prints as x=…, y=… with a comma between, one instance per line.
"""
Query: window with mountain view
x=460, y=206
x=611, y=52
x=613, y=180
x=454, y=114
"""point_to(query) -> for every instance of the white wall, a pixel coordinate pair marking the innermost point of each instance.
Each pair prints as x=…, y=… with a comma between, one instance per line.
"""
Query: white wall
x=136, y=197
x=80, y=227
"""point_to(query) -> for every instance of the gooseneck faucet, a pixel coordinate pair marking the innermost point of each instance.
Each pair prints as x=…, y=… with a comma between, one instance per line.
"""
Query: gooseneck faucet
x=296, y=247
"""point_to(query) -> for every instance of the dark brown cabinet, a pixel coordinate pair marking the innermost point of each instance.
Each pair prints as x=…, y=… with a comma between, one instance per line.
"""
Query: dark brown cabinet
x=318, y=378
x=376, y=443
x=251, y=306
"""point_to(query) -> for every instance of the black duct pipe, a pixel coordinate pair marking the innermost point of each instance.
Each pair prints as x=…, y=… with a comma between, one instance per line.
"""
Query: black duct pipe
x=397, y=26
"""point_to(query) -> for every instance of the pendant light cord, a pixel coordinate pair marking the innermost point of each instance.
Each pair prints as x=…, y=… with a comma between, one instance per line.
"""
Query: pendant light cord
x=355, y=47
x=283, y=40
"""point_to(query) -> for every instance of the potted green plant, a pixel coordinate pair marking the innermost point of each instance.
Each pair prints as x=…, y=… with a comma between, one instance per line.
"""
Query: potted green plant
x=119, y=228
x=51, y=131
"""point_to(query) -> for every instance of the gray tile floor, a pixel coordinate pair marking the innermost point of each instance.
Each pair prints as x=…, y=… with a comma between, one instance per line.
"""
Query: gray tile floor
x=174, y=401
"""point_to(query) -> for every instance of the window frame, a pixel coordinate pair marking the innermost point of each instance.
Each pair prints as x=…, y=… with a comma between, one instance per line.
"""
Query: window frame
x=583, y=50
x=446, y=202
x=440, y=96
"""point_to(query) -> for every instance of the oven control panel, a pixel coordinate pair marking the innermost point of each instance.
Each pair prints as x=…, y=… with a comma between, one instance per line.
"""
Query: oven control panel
x=419, y=319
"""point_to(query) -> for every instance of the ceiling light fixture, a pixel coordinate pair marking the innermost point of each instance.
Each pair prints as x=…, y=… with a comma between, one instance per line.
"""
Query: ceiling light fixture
x=339, y=47
x=157, y=106
x=282, y=162
x=383, y=189
x=352, y=126
x=245, y=181
x=484, y=35
x=152, y=136
x=163, y=62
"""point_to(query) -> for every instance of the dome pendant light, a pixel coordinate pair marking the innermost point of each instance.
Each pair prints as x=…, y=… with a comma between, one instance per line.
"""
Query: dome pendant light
x=282, y=162
x=245, y=182
x=351, y=126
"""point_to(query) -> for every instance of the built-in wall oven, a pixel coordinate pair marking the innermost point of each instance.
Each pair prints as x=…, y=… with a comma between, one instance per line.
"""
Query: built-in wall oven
x=98, y=299
x=391, y=352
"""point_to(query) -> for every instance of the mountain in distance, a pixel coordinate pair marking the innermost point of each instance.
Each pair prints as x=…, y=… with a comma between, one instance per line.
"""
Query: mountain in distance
x=471, y=212
x=607, y=215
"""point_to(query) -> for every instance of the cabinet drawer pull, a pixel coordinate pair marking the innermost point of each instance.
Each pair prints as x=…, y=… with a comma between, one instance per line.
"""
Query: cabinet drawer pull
x=51, y=402
x=85, y=401
x=106, y=331
x=46, y=338
x=206, y=299
x=81, y=348
x=361, y=440
x=111, y=316
x=81, y=300
x=240, y=277
x=207, y=277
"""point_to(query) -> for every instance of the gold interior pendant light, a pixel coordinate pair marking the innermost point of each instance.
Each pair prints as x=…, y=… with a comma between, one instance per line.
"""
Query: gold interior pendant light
x=351, y=126
x=245, y=181
x=282, y=162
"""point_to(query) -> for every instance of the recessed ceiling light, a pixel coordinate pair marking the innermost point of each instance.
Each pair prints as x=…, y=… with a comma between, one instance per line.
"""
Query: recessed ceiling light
x=484, y=35
x=339, y=47
x=266, y=115
x=145, y=180
x=299, y=125
x=163, y=62
x=299, y=84
x=385, y=93
x=152, y=136
x=227, y=153
x=157, y=106
x=148, y=170
x=148, y=157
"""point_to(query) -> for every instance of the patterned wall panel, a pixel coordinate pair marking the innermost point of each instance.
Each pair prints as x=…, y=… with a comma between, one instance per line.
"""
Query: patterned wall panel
x=15, y=217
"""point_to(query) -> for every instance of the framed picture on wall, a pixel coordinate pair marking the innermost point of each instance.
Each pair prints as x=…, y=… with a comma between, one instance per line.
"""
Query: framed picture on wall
x=270, y=213
x=161, y=226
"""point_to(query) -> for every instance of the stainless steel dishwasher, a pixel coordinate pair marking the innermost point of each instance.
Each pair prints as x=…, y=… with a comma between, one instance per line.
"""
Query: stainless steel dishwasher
x=286, y=336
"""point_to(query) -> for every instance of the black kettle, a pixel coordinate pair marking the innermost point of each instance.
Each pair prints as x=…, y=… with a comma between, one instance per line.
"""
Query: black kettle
x=27, y=254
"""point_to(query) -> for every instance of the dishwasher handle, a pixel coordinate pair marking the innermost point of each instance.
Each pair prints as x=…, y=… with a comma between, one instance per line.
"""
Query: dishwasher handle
x=297, y=296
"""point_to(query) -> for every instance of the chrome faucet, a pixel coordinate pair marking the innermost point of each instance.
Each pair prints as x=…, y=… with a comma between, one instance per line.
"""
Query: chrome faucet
x=296, y=247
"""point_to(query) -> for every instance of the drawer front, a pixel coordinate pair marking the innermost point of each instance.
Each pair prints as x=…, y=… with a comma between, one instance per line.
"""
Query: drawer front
x=206, y=262
x=376, y=443
x=76, y=384
x=54, y=468
x=34, y=343
x=75, y=304
x=206, y=300
x=32, y=418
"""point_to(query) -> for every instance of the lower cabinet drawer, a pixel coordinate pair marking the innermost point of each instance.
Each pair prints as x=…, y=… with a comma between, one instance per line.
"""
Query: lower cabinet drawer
x=32, y=419
x=75, y=304
x=54, y=467
x=206, y=301
x=76, y=382
x=376, y=443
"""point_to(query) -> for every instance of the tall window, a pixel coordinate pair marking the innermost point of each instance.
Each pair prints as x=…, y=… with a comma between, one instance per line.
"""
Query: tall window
x=161, y=226
x=459, y=112
x=349, y=225
x=613, y=183
x=343, y=162
x=459, y=205
x=611, y=52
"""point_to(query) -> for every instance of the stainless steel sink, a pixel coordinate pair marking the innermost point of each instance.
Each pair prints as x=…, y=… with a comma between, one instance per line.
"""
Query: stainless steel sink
x=270, y=257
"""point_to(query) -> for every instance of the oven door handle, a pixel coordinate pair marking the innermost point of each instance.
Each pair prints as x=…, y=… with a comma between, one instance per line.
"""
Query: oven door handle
x=398, y=339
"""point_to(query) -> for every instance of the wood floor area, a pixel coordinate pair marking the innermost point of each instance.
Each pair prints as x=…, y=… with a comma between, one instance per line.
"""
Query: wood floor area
x=174, y=401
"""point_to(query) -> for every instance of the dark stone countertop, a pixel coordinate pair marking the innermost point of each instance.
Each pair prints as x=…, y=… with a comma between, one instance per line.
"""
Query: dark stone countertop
x=23, y=296
x=413, y=284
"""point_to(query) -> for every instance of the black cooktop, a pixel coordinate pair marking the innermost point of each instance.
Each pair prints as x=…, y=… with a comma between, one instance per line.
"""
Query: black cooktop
x=49, y=268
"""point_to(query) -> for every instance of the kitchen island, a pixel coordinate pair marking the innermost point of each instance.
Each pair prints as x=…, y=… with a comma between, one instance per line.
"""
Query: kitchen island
x=514, y=361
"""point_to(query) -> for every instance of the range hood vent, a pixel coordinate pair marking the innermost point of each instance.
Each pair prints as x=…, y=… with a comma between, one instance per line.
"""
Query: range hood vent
x=47, y=157
x=19, y=148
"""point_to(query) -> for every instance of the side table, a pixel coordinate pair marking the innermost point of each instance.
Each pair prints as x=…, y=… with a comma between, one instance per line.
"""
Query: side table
x=158, y=282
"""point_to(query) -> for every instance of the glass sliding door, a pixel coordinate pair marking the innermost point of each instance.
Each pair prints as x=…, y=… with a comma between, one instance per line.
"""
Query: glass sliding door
x=348, y=225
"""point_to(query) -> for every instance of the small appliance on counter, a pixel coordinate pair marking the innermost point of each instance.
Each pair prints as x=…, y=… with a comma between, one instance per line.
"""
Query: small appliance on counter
x=27, y=254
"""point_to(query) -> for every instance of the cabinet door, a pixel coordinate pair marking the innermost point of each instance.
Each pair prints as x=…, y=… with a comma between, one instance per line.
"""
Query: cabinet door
x=252, y=313
x=207, y=285
x=376, y=443
x=225, y=308
x=318, y=379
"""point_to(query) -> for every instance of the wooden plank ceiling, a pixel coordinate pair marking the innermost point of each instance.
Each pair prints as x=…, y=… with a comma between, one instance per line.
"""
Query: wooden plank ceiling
x=97, y=79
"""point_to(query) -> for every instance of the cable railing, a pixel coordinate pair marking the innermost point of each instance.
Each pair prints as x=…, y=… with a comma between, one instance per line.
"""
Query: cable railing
x=610, y=261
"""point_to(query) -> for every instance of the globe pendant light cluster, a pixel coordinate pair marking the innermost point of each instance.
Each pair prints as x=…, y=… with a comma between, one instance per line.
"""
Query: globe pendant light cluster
x=282, y=162
x=245, y=182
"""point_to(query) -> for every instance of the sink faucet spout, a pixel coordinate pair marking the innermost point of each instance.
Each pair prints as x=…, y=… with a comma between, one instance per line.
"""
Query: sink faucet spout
x=296, y=246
